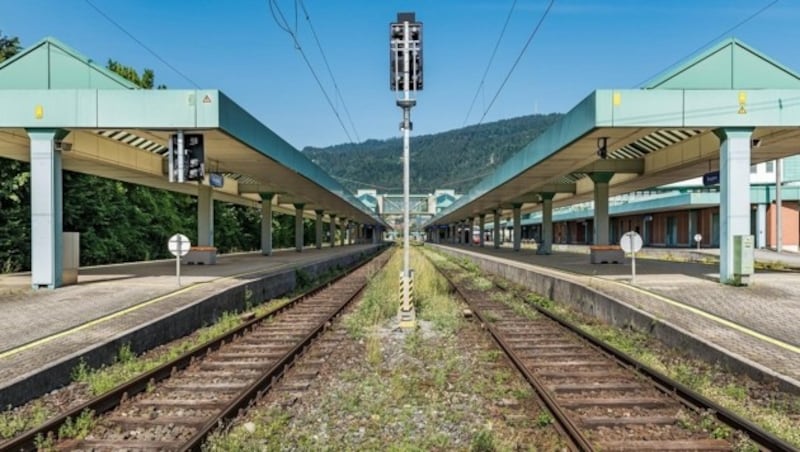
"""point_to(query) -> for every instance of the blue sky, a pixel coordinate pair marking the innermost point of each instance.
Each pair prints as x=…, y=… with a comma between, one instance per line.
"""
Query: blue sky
x=235, y=46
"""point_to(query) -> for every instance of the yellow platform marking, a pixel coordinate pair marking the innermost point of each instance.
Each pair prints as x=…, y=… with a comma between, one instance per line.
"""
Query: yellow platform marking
x=710, y=316
x=122, y=312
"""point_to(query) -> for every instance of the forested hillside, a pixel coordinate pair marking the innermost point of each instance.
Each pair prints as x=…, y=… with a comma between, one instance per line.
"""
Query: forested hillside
x=454, y=159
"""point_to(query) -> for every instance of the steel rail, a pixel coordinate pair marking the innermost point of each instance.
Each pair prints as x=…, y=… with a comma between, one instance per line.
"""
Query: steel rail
x=579, y=442
x=668, y=385
x=267, y=380
x=682, y=393
x=110, y=400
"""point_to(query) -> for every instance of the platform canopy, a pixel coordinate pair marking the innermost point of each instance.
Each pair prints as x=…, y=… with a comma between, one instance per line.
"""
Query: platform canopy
x=656, y=135
x=115, y=130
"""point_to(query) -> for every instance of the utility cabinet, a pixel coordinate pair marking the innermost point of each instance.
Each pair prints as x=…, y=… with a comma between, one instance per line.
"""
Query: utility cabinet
x=70, y=257
x=742, y=259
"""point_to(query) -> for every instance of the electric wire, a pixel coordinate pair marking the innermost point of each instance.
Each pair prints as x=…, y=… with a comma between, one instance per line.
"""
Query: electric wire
x=143, y=45
x=475, y=127
x=519, y=57
x=489, y=64
x=285, y=27
x=330, y=72
x=712, y=41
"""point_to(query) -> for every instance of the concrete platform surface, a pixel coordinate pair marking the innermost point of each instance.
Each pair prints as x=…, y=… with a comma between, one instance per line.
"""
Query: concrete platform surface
x=45, y=326
x=759, y=323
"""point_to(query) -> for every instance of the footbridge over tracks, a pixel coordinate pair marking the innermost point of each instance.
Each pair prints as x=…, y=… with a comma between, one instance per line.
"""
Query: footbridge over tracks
x=59, y=110
x=723, y=110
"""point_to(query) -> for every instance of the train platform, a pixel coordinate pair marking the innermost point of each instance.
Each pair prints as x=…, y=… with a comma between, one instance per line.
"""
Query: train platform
x=42, y=328
x=757, y=325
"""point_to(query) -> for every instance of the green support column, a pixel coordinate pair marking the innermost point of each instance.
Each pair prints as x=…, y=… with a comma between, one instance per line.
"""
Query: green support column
x=298, y=227
x=601, y=180
x=333, y=229
x=205, y=215
x=459, y=233
x=482, y=227
x=318, y=226
x=734, y=196
x=496, y=228
x=266, y=223
x=345, y=227
x=546, y=246
x=470, y=225
x=517, y=214
x=46, y=208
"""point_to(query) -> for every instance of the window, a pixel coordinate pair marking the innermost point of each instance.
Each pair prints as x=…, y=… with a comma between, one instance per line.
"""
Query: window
x=753, y=169
x=770, y=167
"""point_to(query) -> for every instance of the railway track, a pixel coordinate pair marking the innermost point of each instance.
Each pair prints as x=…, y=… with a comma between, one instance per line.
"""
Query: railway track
x=176, y=406
x=603, y=399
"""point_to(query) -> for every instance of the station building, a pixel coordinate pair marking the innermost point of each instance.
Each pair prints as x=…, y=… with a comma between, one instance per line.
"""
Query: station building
x=671, y=215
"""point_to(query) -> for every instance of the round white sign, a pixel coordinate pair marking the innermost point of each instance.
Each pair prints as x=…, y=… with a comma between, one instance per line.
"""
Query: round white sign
x=631, y=242
x=698, y=237
x=179, y=245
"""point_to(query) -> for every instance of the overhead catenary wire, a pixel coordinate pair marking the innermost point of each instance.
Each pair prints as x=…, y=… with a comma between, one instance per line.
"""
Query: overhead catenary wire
x=143, y=45
x=284, y=25
x=476, y=127
x=713, y=40
x=328, y=66
x=489, y=63
x=519, y=58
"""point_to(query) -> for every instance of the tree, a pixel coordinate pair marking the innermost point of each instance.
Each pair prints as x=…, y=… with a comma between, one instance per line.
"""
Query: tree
x=145, y=81
x=8, y=47
x=15, y=221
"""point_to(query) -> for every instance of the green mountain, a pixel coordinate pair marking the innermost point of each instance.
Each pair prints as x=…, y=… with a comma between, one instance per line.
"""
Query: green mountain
x=455, y=159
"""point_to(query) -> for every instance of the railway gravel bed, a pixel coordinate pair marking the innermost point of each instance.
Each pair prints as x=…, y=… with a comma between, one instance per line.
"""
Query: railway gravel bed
x=443, y=386
x=176, y=406
x=604, y=403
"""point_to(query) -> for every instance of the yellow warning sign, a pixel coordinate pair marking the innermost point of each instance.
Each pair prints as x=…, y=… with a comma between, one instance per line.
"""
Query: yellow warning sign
x=207, y=99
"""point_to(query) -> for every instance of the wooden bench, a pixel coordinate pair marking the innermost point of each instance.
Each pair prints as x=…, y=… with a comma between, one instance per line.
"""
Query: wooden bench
x=203, y=255
x=606, y=254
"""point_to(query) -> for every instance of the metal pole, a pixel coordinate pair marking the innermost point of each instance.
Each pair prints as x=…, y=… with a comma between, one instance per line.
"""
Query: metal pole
x=178, y=265
x=633, y=260
x=778, y=205
x=406, y=144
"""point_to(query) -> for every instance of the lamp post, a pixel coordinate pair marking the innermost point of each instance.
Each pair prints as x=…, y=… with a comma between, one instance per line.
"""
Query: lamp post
x=405, y=58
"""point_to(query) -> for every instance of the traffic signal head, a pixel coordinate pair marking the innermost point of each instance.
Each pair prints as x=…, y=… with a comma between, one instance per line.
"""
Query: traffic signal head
x=195, y=157
x=400, y=48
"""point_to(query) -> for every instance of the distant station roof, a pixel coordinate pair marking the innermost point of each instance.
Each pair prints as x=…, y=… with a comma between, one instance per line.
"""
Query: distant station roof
x=121, y=132
x=660, y=134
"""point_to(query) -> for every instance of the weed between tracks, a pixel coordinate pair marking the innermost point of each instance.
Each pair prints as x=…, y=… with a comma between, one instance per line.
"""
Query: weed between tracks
x=90, y=382
x=775, y=411
x=442, y=386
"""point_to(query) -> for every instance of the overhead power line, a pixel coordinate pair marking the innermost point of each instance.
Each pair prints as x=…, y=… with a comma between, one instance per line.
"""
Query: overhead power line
x=713, y=40
x=283, y=24
x=143, y=45
x=328, y=66
x=475, y=127
x=519, y=57
x=491, y=59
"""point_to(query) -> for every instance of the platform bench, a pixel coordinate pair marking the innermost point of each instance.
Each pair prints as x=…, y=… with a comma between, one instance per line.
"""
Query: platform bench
x=205, y=255
x=606, y=254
